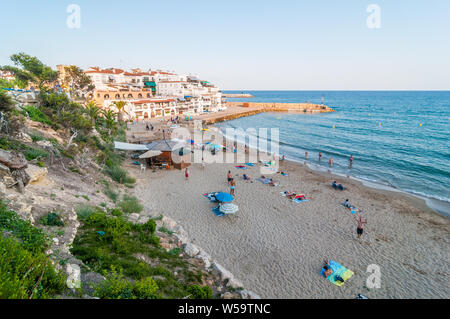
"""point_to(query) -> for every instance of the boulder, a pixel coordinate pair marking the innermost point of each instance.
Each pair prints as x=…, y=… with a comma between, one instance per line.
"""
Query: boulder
x=234, y=283
x=191, y=250
x=205, y=257
x=224, y=274
x=9, y=181
x=133, y=217
x=44, y=143
x=247, y=294
x=13, y=160
x=227, y=295
x=169, y=223
x=4, y=170
x=24, y=137
x=35, y=172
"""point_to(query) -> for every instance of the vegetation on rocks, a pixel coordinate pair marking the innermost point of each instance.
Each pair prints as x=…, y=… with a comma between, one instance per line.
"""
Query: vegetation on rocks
x=25, y=270
x=129, y=255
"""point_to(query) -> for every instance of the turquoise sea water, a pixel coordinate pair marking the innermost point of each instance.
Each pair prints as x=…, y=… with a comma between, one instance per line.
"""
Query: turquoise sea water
x=399, y=139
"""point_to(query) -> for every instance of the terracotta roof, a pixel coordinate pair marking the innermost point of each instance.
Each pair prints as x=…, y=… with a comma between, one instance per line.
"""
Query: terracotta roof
x=152, y=101
x=107, y=71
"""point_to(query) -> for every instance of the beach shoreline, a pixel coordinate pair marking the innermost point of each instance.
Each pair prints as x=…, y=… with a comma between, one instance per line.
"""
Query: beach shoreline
x=276, y=247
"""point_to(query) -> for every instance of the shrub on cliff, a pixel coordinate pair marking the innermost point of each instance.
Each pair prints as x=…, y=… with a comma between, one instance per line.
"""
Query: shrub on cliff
x=130, y=204
x=199, y=292
x=117, y=287
x=25, y=270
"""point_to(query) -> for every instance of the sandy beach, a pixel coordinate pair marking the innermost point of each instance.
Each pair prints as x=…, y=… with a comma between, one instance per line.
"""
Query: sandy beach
x=276, y=247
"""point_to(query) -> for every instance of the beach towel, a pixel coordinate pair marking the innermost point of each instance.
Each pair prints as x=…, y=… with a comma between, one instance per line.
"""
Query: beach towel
x=284, y=174
x=338, y=270
x=264, y=181
x=298, y=200
x=250, y=164
x=217, y=211
x=241, y=167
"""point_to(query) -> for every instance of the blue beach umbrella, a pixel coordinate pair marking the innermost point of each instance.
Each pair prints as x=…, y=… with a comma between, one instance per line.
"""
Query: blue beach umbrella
x=224, y=197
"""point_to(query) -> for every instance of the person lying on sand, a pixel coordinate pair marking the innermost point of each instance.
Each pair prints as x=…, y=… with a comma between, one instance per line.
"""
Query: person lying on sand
x=246, y=178
x=348, y=205
x=327, y=268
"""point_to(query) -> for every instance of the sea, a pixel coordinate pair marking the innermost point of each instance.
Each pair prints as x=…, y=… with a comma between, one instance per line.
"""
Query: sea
x=400, y=140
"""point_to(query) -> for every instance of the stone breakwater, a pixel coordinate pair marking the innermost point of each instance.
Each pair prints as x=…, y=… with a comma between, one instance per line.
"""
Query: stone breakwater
x=237, y=95
x=242, y=109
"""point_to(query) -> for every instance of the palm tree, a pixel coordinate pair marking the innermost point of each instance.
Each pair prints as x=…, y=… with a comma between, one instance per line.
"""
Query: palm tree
x=110, y=120
x=93, y=111
x=120, y=105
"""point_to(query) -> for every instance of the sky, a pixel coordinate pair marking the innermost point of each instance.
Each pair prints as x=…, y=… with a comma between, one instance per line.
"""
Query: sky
x=246, y=44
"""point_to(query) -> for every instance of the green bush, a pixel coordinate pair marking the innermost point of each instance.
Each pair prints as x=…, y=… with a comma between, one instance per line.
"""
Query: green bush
x=130, y=204
x=26, y=274
x=198, y=292
x=36, y=115
x=4, y=143
x=36, y=137
x=33, y=153
x=84, y=212
x=116, y=212
x=33, y=239
x=110, y=193
x=165, y=230
x=117, y=174
x=175, y=251
x=117, y=287
x=51, y=219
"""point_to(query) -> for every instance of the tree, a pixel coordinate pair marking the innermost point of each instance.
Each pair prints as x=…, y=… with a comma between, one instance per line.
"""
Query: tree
x=6, y=102
x=78, y=82
x=93, y=111
x=30, y=69
x=120, y=105
x=110, y=121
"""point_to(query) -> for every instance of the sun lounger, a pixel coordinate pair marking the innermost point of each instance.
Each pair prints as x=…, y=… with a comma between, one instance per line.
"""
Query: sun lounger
x=338, y=270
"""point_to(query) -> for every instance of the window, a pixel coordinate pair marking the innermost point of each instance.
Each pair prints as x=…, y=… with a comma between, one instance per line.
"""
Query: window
x=140, y=96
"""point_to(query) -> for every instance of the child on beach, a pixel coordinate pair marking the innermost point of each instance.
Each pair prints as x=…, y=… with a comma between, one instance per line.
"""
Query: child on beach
x=229, y=179
x=186, y=173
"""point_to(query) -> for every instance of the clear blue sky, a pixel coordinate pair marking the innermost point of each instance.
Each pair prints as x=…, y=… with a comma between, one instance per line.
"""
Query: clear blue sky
x=286, y=45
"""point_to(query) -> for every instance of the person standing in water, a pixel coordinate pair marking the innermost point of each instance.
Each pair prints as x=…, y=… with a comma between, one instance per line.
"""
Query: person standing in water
x=306, y=155
x=330, y=162
x=359, y=229
x=320, y=156
x=351, y=160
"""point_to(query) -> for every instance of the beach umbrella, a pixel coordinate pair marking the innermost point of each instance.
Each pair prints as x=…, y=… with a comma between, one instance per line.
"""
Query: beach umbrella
x=224, y=197
x=149, y=154
x=228, y=208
